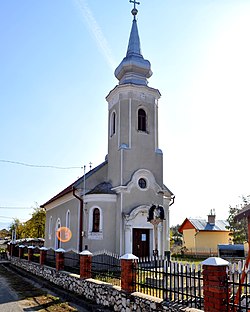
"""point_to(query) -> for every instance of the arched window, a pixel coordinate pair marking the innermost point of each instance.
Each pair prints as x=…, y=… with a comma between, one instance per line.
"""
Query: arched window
x=57, y=236
x=95, y=225
x=96, y=220
x=142, y=122
x=68, y=219
x=113, y=124
x=50, y=227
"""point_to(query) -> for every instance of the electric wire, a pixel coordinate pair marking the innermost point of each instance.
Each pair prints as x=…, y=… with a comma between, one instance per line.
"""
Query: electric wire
x=38, y=166
x=2, y=207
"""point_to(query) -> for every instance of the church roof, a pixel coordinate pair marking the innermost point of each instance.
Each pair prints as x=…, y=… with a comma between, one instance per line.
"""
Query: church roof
x=102, y=188
x=88, y=174
x=69, y=188
x=134, y=68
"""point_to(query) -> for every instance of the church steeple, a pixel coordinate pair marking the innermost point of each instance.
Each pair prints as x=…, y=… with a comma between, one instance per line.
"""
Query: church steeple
x=134, y=68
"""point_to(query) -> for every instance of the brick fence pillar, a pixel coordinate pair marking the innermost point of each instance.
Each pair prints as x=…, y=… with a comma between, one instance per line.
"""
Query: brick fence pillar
x=21, y=251
x=43, y=253
x=30, y=253
x=12, y=246
x=128, y=274
x=60, y=259
x=215, y=288
x=85, y=264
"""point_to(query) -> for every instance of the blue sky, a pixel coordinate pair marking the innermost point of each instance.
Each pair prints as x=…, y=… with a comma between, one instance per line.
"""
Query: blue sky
x=57, y=60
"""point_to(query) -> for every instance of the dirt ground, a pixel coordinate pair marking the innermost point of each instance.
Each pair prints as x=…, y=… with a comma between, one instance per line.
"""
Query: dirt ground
x=32, y=297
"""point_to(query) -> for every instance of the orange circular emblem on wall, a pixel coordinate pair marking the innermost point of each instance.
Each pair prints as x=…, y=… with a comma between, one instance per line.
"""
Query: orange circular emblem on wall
x=63, y=234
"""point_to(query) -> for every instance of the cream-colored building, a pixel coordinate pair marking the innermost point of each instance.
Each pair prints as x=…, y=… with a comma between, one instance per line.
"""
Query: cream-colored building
x=107, y=208
x=202, y=236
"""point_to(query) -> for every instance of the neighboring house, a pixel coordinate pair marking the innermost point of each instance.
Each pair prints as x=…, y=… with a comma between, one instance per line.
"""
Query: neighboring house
x=107, y=208
x=203, y=236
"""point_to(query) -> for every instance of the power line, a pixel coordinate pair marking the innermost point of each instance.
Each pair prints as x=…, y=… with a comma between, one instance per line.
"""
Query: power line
x=37, y=166
x=1, y=207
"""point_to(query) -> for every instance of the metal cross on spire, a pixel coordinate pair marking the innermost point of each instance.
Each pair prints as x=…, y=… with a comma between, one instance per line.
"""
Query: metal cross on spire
x=134, y=10
x=135, y=2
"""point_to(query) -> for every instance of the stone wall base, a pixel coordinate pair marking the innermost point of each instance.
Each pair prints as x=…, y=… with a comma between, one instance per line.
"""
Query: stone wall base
x=96, y=291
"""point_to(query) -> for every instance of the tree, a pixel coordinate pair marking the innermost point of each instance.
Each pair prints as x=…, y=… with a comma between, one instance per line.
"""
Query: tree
x=4, y=233
x=238, y=229
x=34, y=227
x=175, y=235
x=16, y=227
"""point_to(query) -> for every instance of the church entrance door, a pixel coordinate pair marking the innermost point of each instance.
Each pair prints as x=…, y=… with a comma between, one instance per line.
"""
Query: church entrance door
x=141, y=242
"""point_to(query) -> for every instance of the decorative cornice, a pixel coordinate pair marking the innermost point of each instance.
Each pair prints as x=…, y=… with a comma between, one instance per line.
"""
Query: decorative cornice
x=100, y=197
x=135, y=211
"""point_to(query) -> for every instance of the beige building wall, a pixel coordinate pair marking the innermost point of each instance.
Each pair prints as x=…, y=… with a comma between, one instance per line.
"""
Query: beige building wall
x=210, y=239
x=204, y=240
x=189, y=238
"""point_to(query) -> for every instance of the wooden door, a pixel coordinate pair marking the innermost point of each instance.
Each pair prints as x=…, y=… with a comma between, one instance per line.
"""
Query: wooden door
x=141, y=242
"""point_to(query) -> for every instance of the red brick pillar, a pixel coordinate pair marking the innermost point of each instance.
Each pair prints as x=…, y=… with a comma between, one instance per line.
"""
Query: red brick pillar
x=85, y=264
x=215, y=288
x=30, y=253
x=60, y=259
x=128, y=274
x=43, y=252
x=21, y=251
x=12, y=246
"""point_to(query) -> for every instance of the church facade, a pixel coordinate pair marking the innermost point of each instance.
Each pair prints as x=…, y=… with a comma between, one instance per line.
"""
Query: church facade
x=108, y=207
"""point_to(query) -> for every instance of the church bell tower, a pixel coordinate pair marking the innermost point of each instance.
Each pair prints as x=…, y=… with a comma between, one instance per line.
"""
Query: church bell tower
x=133, y=117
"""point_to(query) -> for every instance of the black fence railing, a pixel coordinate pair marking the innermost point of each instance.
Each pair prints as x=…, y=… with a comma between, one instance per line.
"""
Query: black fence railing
x=106, y=267
x=149, y=277
x=36, y=255
x=15, y=251
x=173, y=282
x=178, y=284
x=184, y=285
x=50, y=259
x=3, y=255
x=72, y=262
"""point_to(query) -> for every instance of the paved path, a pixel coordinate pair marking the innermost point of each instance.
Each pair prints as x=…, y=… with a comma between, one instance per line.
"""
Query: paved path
x=8, y=298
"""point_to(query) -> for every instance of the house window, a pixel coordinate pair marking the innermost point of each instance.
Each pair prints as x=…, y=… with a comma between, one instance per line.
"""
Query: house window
x=142, y=120
x=96, y=220
x=113, y=124
x=68, y=219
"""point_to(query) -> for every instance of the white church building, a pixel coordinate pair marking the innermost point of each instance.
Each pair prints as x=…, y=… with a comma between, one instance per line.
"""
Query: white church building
x=108, y=207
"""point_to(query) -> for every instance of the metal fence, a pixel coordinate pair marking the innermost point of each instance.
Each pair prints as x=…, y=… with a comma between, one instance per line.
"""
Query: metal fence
x=106, y=267
x=175, y=283
x=178, y=284
x=50, y=258
x=72, y=262
x=36, y=255
x=239, y=287
x=3, y=255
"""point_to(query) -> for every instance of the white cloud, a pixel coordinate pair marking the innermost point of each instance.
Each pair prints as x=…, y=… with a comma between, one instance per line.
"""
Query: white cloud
x=96, y=31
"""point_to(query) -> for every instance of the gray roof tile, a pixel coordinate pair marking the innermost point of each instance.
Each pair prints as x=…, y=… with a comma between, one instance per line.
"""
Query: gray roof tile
x=203, y=225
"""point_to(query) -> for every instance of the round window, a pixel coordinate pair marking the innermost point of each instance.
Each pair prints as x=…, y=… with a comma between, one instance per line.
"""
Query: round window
x=142, y=183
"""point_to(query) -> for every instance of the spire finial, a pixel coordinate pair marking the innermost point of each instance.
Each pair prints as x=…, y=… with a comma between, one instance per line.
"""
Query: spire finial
x=134, y=10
